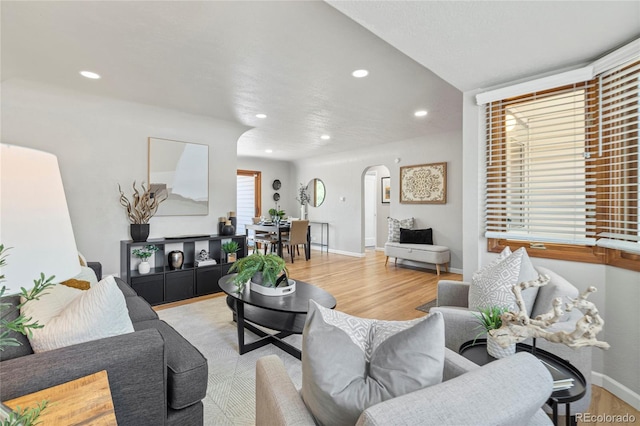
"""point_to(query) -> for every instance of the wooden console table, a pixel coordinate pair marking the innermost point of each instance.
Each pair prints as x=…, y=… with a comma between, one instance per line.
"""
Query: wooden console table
x=85, y=401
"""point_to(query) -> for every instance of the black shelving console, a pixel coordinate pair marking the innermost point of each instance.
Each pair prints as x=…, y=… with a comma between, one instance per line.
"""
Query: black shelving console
x=162, y=284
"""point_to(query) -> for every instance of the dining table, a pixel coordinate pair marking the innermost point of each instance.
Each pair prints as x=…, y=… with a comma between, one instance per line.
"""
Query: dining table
x=279, y=229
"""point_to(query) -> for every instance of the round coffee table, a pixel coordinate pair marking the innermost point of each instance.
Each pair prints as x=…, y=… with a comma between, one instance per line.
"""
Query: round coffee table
x=285, y=314
x=558, y=367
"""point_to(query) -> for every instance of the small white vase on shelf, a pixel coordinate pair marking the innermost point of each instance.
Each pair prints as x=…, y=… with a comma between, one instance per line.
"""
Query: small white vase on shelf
x=497, y=351
x=144, y=267
x=303, y=211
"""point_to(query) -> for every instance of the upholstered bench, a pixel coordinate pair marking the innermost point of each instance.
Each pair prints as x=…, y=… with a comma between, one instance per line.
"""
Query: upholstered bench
x=427, y=253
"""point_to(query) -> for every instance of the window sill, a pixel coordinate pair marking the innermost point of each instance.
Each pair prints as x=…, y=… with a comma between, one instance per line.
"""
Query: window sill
x=569, y=252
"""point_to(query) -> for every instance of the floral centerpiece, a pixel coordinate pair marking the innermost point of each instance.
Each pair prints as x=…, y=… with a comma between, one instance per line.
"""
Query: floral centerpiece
x=276, y=214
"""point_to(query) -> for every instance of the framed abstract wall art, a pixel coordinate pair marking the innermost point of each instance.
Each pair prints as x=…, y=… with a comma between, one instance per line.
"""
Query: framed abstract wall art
x=423, y=184
x=182, y=169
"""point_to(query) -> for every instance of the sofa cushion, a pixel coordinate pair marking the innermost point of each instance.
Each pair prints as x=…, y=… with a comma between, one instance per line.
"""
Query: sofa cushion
x=12, y=312
x=492, y=285
x=186, y=366
x=350, y=363
x=70, y=316
x=416, y=236
x=394, y=228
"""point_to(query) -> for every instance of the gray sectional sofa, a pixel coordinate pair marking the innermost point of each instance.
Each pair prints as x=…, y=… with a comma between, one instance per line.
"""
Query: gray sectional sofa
x=156, y=376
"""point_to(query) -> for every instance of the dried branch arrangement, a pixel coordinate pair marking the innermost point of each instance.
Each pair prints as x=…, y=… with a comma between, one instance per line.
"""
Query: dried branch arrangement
x=144, y=205
x=517, y=327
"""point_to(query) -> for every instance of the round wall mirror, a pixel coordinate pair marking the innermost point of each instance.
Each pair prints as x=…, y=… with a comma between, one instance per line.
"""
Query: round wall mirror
x=316, y=190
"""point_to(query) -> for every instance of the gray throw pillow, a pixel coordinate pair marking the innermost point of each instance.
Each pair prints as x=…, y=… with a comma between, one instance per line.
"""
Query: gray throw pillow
x=351, y=363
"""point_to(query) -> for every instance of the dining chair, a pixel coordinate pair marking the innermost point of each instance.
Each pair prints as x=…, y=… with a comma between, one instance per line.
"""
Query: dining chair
x=297, y=236
x=263, y=238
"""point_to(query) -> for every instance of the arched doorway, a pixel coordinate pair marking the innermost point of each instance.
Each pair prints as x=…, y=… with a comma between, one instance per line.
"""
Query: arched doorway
x=374, y=211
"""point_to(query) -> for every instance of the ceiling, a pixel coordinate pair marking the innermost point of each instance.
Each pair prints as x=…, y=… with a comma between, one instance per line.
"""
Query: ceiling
x=293, y=60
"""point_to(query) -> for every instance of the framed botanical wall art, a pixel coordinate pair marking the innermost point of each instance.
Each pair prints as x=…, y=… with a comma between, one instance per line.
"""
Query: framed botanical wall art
x=423, y=184
x=182, y=169
x=385, y=184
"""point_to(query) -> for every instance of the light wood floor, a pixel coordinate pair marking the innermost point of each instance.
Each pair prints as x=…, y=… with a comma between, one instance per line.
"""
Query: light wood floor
x=366, y=288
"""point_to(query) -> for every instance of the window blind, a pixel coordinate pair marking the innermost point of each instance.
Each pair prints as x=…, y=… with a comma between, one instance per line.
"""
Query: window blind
x=618, y=174
x=246, y=206
x=540, y=181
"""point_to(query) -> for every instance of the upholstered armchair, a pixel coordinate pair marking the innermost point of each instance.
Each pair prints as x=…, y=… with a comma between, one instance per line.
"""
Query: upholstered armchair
x=506, y=392
x=461, y=325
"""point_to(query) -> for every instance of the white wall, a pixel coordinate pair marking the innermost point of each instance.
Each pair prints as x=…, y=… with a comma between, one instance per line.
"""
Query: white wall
x=342, y=174
x=272, y=170
x=618, y=290
x=101, y=142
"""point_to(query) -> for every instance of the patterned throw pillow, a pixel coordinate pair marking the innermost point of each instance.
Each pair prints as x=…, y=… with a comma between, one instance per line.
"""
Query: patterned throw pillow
x=491, y=286
x=394, y=228
x=351, y=363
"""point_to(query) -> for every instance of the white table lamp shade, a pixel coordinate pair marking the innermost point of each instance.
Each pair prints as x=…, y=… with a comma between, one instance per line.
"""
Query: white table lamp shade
x=34, y=219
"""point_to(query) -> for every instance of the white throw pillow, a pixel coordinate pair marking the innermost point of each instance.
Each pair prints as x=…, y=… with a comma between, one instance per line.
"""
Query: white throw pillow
x=50, y=303
x=492, y=285
x=72, y=316
x=394, y=228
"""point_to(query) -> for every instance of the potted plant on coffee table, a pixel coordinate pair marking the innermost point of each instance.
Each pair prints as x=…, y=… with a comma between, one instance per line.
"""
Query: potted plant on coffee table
x=490, y=319
x=144, y=254
x=267, y=273
x=230, y=248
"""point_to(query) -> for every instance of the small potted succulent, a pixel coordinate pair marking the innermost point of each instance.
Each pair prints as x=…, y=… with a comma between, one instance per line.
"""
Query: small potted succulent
x=230, y=248
x=144, y=254
x=490, y=320
x=266, y=272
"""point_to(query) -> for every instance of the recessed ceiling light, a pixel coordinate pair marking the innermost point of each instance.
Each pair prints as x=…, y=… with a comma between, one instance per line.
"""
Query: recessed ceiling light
x=261, y=115
x=325, y=137
x=268, y=151
x=360, y=73
x=421, y=113
x=90, y=74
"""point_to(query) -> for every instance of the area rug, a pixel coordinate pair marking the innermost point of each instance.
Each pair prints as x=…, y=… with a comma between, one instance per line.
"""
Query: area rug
x=209, y=326
x=427, y=306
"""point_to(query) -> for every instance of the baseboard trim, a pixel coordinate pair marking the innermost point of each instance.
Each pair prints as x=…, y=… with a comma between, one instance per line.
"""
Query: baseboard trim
x=618, y=389
x=347, y=253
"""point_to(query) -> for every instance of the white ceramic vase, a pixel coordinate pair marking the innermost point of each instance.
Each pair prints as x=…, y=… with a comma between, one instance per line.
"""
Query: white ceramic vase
x=303, y=212
x=144, y=267
x=497, y=351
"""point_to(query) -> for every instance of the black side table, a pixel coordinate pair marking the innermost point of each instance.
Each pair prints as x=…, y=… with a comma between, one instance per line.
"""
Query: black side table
x=477, y=353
